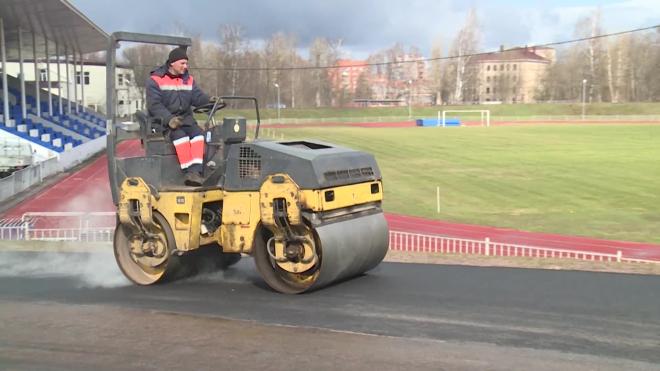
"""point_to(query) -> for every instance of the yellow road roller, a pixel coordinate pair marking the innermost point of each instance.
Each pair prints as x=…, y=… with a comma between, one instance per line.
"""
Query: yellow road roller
x=308, y=212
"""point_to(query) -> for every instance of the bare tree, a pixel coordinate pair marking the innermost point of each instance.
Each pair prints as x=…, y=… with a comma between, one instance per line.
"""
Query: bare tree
x=436, y=70
x=143, y=59
x=323, y=52
x=466, y=42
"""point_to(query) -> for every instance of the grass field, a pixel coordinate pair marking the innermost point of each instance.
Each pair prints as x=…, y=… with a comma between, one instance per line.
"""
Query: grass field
x=509, y=110
x=598, y=180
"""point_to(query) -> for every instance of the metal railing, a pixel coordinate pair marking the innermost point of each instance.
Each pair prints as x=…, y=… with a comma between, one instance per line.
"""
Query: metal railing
x=415, y=242
x=69, y=234
x=26, y=229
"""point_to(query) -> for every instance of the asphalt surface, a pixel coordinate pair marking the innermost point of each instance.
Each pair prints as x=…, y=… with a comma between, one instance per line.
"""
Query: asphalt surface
x=583, y=313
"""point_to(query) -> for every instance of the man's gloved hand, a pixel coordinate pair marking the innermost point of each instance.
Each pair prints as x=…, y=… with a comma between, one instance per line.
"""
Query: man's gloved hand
x=175, y=122
x=213, y=99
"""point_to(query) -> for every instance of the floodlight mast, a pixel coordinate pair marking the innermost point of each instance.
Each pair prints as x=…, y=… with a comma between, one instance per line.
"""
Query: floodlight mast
x=111, y=59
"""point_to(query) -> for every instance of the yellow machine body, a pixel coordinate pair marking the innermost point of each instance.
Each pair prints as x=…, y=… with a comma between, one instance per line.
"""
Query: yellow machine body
x=242, y=212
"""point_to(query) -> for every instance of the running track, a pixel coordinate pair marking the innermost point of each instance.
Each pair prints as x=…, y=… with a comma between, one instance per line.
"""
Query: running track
x=88, y=190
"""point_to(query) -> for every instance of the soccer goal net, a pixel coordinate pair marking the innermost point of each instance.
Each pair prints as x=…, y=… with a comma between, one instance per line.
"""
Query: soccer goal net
x=460, y=117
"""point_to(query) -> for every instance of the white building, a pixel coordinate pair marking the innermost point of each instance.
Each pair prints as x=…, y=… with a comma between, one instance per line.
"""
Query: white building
x=129, y=96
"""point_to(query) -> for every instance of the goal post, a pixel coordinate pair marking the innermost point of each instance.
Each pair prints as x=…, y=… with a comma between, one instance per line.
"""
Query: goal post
x=484, y=116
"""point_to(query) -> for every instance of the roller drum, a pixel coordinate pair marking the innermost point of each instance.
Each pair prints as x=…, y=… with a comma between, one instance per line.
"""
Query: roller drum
x=351, y=247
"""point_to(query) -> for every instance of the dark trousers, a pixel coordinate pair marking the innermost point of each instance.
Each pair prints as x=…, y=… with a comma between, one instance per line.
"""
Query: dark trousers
x=190, y=131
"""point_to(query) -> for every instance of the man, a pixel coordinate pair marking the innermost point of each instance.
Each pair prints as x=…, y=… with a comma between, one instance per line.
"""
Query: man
x=171, y=93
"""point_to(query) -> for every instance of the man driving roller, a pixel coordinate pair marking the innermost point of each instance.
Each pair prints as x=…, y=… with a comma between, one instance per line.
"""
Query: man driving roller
x=171, y=94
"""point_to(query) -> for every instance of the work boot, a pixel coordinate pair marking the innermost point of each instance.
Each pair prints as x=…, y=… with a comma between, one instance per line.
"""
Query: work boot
x=194, y=179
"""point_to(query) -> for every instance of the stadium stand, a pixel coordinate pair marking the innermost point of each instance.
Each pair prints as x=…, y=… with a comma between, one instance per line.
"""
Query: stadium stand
x=47, y=31
x=58, y=132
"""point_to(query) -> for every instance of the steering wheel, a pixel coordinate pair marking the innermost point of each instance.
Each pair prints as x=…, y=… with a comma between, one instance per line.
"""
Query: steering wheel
x=206, y=108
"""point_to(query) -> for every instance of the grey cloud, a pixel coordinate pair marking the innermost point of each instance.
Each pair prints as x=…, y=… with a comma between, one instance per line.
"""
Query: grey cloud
x=363, y=25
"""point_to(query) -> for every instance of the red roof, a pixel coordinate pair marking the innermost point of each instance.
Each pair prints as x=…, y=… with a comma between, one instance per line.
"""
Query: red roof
x=516, y=54
x=349, y=63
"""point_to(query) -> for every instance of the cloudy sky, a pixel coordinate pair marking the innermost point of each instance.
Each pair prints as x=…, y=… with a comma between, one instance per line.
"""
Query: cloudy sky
x=366, y=26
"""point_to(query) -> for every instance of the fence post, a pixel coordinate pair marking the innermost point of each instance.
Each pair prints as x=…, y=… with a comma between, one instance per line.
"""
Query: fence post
x=618, y=256
x=26, y=227
x=487, y=243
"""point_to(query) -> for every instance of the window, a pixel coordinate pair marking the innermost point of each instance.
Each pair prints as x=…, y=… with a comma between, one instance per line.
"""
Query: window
x=507, y=67
x=494, y=90
x=494, y=67
x=137, y=106
x=488, y=68
x=78, y=78
x=487, y=90
x=120, y=79
x=514, y=67
x=488, y=78
x=42, y=75
x=121, y=102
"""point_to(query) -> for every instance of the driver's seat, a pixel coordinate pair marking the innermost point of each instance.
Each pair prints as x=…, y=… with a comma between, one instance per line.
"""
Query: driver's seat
x=154, y=136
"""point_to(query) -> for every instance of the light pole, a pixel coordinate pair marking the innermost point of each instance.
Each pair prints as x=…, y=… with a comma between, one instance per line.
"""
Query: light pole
x=278, y=100
x=409, y=99
x=584, y=95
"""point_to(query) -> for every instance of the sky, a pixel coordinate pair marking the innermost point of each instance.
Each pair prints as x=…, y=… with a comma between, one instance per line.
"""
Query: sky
x=366, y=26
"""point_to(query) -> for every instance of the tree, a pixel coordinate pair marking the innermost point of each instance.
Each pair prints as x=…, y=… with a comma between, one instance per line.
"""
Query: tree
x=594, y=66
x=362, y=87
x=323, y=52
x=143, y=59
x=465, y=42
x=231, y=52
x=437, y=70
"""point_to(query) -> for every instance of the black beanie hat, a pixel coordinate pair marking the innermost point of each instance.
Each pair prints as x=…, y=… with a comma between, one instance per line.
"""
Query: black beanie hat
x=176, y=54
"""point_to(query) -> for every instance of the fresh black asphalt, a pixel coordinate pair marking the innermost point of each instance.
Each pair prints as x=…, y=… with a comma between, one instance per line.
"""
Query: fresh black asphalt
x=613, y=315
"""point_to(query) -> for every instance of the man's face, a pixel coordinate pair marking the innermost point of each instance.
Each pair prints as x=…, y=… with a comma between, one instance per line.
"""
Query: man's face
x=179, y=67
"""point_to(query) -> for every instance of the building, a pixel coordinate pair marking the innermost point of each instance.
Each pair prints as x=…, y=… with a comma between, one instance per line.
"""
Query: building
x=346, y=74
x=508, y=76
x=129, y=96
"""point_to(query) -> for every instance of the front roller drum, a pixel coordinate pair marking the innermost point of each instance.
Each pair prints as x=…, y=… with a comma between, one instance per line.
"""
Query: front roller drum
x=345, y=249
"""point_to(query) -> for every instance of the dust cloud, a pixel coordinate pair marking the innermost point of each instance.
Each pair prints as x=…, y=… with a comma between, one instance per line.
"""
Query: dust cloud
x=97, y=269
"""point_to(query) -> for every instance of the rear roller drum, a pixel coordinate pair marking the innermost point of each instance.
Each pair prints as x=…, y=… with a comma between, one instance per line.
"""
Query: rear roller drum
x=144, y=260
x=343, y=249
x=273, y=271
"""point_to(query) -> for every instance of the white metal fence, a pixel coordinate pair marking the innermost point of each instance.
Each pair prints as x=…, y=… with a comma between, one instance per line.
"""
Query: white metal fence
x=414, y=242
x=28, y=228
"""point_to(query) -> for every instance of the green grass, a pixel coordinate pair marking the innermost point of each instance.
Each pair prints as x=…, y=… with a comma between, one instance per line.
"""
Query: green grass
x=543, y=109
x=599, y=181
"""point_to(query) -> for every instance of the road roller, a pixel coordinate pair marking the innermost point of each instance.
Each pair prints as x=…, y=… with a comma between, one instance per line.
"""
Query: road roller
x=308, y=212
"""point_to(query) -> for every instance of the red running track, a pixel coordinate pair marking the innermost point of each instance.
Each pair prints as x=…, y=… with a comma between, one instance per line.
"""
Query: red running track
x=88, y=190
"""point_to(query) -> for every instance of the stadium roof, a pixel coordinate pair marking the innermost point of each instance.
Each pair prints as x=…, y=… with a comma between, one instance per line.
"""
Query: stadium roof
x=57, y=20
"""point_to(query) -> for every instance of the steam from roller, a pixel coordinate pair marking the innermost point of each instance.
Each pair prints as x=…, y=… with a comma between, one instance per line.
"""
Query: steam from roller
x=97, y=269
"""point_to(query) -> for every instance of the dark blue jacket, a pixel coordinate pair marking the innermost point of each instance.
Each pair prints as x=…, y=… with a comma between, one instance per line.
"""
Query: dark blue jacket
x=169, y=96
